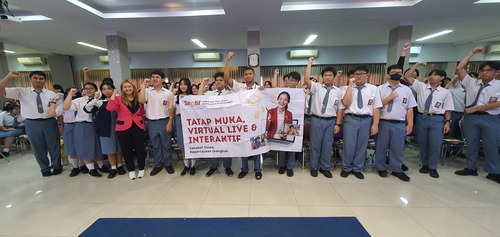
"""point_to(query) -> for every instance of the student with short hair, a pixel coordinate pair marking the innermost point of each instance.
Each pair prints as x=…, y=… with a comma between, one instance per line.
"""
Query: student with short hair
x=361, y=105
x=325, y=120
x=248, y=84
x=434, y=105
x=481, y=121
x=159, y=115
x=42, y=130
x=220, y=89
x=11, y=126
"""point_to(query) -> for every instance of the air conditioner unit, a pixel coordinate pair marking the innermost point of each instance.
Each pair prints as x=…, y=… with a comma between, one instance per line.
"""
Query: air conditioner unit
x=303, y=53
x=104, y=59
x=205, y=57
x=494, y=48
x=31, y=61
x=415, y=49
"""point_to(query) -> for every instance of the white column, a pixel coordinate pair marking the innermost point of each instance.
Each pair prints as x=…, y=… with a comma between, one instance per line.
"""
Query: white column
x=119, y=62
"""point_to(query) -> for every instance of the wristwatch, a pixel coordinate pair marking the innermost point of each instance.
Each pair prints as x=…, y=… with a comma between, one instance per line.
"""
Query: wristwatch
x=449, y=120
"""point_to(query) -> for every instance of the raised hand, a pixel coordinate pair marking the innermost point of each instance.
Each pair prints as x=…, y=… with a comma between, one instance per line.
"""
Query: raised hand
x=13, y=74
x=406, y=46
x=479, y=49
x=230, y=56
x=97, y=95
x=276, y=71
x=115, y=91
x=73, y=91
x=311, y=60
x=86, y=69
x=146, y=82
x=351, y=80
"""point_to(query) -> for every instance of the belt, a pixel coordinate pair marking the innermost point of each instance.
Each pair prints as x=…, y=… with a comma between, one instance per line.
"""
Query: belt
x=393, y=121
x=324, y=118
x=157, y=119
x=39, y=119
x=83, y=122
x=360, y=115
x=481, y=113
x=442, y=115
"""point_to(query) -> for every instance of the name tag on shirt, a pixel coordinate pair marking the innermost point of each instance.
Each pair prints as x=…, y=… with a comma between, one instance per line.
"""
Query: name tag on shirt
x=370, y=102
x=438, y=105
x=405, y=100
x=164, y=102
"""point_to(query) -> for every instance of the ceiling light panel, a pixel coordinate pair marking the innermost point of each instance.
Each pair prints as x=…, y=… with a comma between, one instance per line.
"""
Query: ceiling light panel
x=344, y=4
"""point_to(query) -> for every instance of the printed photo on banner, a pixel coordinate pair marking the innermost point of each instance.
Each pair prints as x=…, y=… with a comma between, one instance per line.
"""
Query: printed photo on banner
x=285, y=118
x=258, y=142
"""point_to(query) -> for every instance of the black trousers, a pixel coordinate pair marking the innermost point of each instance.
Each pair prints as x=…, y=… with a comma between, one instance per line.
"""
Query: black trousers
x=132, y=144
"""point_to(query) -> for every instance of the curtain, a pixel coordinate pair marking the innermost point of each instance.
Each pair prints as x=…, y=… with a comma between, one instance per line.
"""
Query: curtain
x=376, y=76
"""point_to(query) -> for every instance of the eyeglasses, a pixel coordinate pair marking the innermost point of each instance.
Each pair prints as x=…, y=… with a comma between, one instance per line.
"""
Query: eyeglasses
x=89, y=88
x=487, y=70
x=360, y=74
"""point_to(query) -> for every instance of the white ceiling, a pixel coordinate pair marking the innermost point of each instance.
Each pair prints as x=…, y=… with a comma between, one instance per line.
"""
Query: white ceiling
x=369, y=26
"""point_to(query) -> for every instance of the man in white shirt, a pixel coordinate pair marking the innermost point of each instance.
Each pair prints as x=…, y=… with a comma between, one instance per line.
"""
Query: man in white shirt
x=481, y=119
x=220, y=85
x=361, y=104
x=249, y=84
x=434, y=104
x=42, y=130
x=396, y=121
x=159, y=101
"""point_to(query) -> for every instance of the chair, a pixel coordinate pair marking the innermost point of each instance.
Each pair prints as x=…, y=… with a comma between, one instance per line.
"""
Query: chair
x=306, y=145
x=451, y=143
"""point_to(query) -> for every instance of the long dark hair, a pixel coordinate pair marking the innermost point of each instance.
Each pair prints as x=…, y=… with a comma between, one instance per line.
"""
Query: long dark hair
x=188, y=84
x=106, y=83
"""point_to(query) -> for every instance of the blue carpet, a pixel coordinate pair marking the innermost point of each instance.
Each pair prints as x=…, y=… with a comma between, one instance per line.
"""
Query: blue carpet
x=225, y=227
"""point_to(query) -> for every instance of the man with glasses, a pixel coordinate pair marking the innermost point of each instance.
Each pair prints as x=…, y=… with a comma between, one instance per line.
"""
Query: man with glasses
x=481, y=121
x=361, y=104
x=41, y=129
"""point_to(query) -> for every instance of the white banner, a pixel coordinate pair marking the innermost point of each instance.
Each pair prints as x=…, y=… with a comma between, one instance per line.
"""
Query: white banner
x=234, y=125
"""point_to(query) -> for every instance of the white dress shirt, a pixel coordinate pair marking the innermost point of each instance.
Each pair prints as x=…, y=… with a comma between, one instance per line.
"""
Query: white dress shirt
x=27, y=97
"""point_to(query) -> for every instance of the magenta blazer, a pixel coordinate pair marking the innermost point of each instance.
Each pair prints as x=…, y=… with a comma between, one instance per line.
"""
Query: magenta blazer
x=125, y=117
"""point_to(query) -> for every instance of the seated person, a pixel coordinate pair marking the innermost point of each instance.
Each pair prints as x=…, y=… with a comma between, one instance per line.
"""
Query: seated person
x=11, y=126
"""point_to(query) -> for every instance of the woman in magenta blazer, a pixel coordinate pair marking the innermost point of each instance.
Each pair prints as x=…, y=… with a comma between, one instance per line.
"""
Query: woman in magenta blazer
x=276, y=117
x=130, y=126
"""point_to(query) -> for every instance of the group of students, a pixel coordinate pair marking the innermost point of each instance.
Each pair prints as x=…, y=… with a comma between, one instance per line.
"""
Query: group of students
x=11, y=125
x=99, y=122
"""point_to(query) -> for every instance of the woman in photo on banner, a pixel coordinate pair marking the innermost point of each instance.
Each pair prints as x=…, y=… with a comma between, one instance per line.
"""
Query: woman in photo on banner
x=278, y=116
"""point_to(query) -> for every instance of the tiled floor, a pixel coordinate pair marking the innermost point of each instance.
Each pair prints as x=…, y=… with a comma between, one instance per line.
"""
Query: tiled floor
x=62, y=206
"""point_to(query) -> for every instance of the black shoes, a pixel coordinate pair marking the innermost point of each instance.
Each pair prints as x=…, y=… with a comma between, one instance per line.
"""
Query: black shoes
x=344, y=174
x=494, y=177
x=184, y=171
x=104, y=169
x=433, y=173
x=192, y=171
x=466, y=172
x=112, y=174
x=282, y=170
x=424, y=170
x=211, y=171
x=229, y=172
x=258, y=175
x=404, y=167
x=46, y=173
x=242, y=174
x=402, y=176
x=155, y=171
x=289, y=173
x=120, y=170
x=358, y=175
x=170, y=169
x=5, y=154
x=326, y=173
x=383, y=173
x=94, y=173
x=84, y=169
x=74, y=172
x=56, y=171
x=314, y=173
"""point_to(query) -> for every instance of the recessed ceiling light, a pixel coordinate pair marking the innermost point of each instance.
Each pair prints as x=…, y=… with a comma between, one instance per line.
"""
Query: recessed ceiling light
x=9, y=51
x=310, y=39
x=325, y=5
x=199, y=43
x=487, y=1
x=35, y=18
x=434, y=35
x=91, y=46
x=151, y=14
